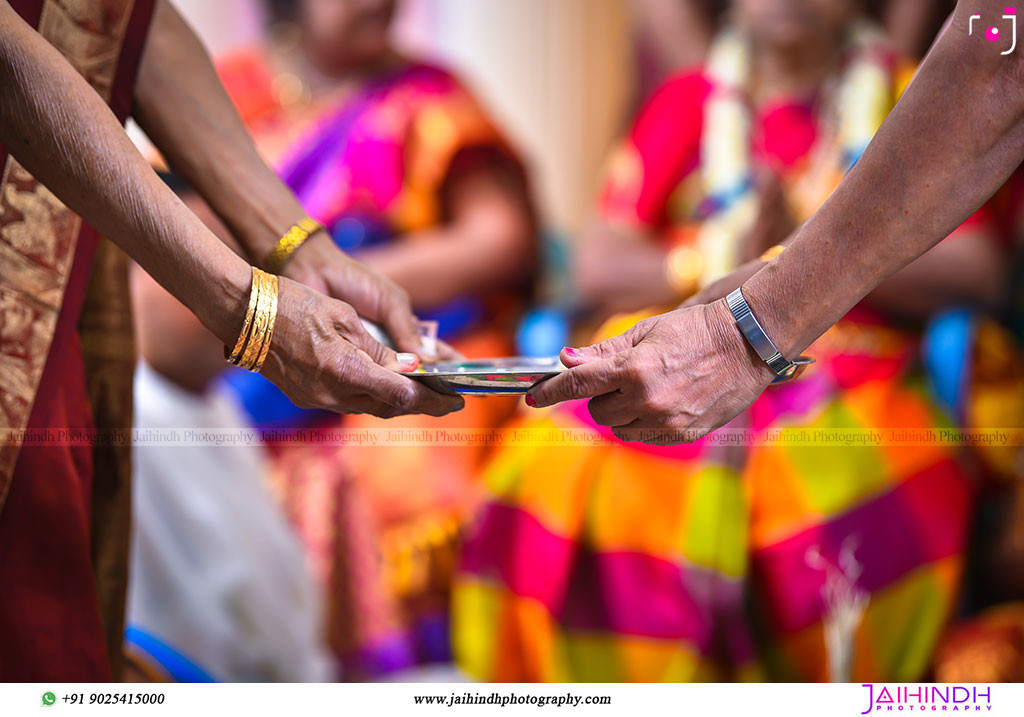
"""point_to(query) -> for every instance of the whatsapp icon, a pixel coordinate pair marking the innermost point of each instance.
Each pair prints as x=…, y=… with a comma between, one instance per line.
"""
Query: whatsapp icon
x=49, y=698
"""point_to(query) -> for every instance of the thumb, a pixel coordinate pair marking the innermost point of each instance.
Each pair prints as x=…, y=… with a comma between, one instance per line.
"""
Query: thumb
x=575, y=357
x=395, y=312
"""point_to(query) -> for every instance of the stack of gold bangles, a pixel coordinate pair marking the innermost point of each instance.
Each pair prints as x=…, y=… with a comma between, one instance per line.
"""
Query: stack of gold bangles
x=253, y=343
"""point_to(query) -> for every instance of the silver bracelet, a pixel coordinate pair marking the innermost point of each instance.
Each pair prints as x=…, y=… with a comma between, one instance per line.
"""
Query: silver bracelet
x=758, y=339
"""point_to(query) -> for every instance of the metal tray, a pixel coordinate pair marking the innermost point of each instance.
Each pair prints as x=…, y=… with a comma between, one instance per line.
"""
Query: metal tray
x=512, y=376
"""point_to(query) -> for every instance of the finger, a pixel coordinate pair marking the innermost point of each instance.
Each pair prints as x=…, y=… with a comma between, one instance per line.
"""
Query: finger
x=409, y=396
x=378, y=353
x=447, y=352
x=583, y=381
x=400, y=322
x=611, y=409
x=575, y=357
x=365, y=403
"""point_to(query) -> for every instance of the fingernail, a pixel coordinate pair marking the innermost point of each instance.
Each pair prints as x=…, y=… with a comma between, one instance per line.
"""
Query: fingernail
x=571, y=352
x=531, y=401
x=408, y=359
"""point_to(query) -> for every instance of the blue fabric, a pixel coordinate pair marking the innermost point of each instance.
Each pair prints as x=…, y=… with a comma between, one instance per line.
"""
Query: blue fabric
x=542, y=332
x=353, y=232
x=946, y=353
x=454, y=318
x=179, y=667
x=264, y=403
x=852, y=155
x=713, y=204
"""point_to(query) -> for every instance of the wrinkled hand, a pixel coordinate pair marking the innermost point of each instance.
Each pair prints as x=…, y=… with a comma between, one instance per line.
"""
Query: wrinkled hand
x=322, y=357
x=670, y=379
x=320, y=265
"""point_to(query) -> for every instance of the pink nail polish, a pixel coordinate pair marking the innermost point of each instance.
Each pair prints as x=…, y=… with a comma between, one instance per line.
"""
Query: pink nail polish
x=531, y=401
x=571, y=352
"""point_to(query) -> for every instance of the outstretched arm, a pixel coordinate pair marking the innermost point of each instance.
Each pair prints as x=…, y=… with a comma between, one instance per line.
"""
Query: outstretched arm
x=63, y=133
x=184, y=109
x=952, y=140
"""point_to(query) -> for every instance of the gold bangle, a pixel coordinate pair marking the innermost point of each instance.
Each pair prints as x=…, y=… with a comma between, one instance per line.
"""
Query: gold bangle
x=259, y=324
x=272, y=312
x=683, y=267
x=772, y=253
x=246, y=324
x=290, y=243
x=253, y=343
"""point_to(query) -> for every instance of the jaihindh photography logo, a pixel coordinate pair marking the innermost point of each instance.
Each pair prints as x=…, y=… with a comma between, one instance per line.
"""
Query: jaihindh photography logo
x=927, y=698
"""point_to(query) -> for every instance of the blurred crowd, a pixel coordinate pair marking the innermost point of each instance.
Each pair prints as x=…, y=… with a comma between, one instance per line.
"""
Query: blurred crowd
x=297, y=560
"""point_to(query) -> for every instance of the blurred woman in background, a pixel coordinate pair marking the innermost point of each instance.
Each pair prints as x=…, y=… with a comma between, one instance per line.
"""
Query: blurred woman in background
x=740, y=559
x=673, y=35
x=409, y=174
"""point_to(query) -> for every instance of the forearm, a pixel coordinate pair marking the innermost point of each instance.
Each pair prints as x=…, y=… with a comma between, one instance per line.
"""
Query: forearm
x=182, y=106
x=951, y=141
x=64, y=134
x=432, y=268
x=486, y=245
x=446, y=262
x=618, y=270
x=185, y=111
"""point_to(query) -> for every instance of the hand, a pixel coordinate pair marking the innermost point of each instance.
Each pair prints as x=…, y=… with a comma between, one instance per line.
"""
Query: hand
x=670, y=379
x=773, y=222
x=320, y=265
x=322, y=357
x=721, y=288
x=446, y=353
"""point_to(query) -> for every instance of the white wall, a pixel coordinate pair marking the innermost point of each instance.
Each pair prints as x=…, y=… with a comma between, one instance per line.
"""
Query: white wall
x=224, y=25
x=556, y=73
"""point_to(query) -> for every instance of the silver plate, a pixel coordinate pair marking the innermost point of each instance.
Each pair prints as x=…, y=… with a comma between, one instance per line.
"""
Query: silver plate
x=488, y=377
